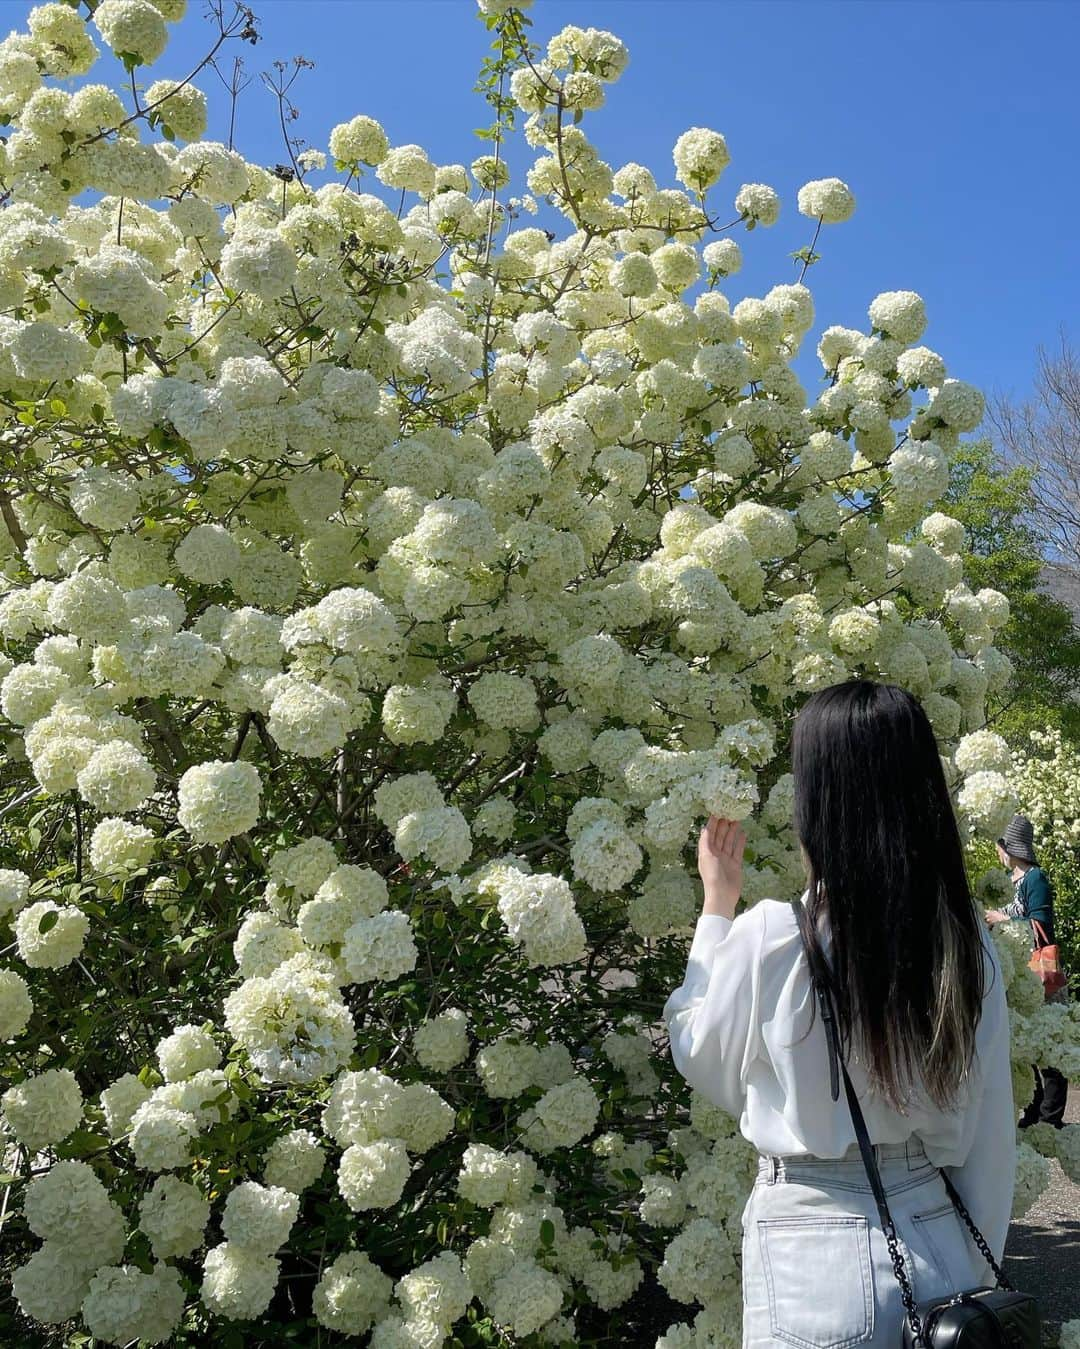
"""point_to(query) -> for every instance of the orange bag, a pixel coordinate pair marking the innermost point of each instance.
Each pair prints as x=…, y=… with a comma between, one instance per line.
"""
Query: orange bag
x=1046, y=962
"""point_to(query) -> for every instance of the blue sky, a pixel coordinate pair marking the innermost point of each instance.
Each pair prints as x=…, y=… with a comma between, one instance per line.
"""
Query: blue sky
x=951, y=120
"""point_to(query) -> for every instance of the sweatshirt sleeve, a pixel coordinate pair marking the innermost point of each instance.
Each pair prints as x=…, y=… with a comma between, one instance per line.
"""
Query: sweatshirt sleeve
x=712, y=1017
x=986, y=1178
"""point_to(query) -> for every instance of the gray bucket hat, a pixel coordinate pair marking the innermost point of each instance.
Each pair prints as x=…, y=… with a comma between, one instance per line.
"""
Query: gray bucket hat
x=1019, y=839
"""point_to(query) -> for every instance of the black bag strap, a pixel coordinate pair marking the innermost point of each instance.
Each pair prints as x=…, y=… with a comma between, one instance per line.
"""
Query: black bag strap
x=820, y=982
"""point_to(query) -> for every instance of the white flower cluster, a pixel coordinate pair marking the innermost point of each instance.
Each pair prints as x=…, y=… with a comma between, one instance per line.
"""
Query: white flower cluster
x=442, y=1042
x=540, y=916
x=77, y=1270
x=1047, y=780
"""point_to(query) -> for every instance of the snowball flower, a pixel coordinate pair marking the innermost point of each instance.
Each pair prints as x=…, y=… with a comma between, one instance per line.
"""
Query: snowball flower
x=920, y=367
x=407, y=167
x=351, y=1294
x=294, y=1161
x=173, y=1214
x=51, y=1286
x=238, y=1283
x=982, y=751
x=944, y=532
x=44, y=1109
x=441, y=1042
x=769, y=530
x=117, y=846
x=489, y=1177
x=123, y=1304
x=70, y=1205
x=373, y=1175
x=348, y=894
x=361, y=1106
x=722, y=256
x=308, y=720
x=305, y=866
x=436, y=1292
x=561, y=1117
x=103, y=498
x=504, y=701
x=758, y=204
x=854, y=631
x=188, y=1050
x=14, y=890
x=120, y=1100
x=182, y=108
x=117, y=778
x=540, y=916
x=525, y=1298
x=208, y=554
x=292, y=1022
x=828, y=200
x=259, y=1217
x=381, y=947
x=219, y=800
x=361, y=140
x=700, y=157
x=259, y=261
x=421, y=1118
x=49, y=935
x=16, y=1005
x=161, y=1136
x=695, y=1260
x=132, y=28
x=960, y=406
x=604, y=856
x=900, y=314
x=988, y=800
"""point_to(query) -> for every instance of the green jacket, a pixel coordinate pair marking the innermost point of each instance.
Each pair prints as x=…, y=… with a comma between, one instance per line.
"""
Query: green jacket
x=1034, y=898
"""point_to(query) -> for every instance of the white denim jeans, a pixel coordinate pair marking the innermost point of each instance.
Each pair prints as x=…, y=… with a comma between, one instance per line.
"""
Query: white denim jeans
x=815, y=1266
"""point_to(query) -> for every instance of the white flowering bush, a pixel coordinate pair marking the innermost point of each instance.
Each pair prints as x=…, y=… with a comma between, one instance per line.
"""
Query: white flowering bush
x=1048, y=784
x=389, y=587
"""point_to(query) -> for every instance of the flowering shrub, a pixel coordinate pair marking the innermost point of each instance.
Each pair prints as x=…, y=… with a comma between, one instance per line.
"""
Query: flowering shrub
x=390, y=587
x=1048, y=784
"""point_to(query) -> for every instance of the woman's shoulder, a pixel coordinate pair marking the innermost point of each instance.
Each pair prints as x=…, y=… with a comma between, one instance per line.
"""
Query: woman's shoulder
x=1036, y=882
x=774, y=924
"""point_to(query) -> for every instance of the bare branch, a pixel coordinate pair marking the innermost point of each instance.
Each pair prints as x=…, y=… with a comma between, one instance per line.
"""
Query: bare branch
x=1043, y=435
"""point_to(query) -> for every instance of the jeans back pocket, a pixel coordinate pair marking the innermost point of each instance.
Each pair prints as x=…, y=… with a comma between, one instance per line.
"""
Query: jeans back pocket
x=820, y=1286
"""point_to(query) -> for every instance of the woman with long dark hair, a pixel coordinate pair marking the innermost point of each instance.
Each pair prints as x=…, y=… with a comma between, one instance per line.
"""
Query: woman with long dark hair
x=923, y=1027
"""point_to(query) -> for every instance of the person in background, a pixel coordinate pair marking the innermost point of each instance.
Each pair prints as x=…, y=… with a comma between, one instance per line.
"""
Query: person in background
x=1033, y=900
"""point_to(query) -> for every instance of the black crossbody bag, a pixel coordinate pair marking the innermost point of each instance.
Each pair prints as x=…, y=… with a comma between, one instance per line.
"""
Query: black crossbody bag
x=976, y=1318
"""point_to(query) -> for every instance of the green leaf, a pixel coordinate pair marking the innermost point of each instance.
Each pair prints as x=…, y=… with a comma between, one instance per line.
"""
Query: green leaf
x=547, y=1233
x=83, y=1142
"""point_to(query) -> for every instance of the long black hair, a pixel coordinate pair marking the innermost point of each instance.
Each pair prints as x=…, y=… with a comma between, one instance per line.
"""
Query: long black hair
x=886, y=870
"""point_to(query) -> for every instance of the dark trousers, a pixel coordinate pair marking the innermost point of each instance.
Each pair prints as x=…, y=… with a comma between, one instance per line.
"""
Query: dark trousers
x=1048, y=1104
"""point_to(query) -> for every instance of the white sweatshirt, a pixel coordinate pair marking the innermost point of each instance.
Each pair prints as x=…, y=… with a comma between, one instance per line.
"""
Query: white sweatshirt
x=735, y=1027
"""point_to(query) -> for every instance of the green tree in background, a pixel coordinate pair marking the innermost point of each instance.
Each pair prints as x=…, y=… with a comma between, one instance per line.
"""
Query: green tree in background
x=997, y=507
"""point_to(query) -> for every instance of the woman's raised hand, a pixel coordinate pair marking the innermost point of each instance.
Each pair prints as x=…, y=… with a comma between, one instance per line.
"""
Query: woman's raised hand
x=720, y=856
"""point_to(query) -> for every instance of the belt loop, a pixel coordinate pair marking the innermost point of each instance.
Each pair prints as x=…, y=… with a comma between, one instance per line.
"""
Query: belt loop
x=774, y=1170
